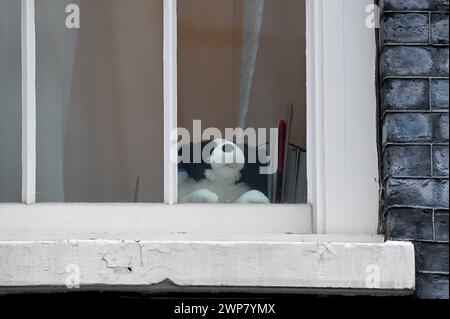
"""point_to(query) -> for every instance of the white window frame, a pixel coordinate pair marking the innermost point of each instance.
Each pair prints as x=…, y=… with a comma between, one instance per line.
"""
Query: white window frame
x=332, y=208
x=343, y=253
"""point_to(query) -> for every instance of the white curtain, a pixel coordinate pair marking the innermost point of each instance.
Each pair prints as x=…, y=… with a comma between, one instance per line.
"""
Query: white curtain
x=99, y=101
x=252, y=21
x=10, y=101
x=55, y=54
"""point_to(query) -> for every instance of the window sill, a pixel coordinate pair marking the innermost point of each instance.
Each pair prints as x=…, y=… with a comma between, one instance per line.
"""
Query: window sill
x=281, y=263
x=59, y=221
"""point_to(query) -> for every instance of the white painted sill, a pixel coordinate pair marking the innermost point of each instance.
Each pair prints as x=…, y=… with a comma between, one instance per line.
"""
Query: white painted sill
x=290, y=262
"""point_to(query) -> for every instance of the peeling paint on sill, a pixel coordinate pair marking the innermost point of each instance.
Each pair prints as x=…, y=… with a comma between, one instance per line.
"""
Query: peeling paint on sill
x=313, y=265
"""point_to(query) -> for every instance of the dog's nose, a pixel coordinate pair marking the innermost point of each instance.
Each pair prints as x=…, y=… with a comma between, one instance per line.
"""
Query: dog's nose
x=227, y=148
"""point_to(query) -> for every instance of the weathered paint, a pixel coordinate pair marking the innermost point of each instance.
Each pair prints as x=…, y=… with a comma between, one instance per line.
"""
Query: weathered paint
x=388, y=266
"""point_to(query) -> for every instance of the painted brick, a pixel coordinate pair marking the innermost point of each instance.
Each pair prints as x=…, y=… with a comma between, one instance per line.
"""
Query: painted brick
x=406, y=5
x=440, y=127
x=441, y=225
x=407, y=161
x=431, y=257
x=440, y=161
x=414, y=61
x=417, y=192
x=430, y=286
x=411, y=28
x=410, y=223
x=409, y=94
x=407, y=127
x=442, y=62
x=439, y=28
x=441, y=193
x=439, y=94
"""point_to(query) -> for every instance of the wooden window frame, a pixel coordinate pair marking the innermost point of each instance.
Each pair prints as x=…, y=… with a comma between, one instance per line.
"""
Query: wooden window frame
x=332, y=245
x=342, y=191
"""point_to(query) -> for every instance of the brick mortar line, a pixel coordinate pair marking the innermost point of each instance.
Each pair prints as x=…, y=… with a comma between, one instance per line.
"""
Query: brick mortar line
x=419, y=177
x=433, y=220
x=417, y=207
x=389, y=144
x=413, y=44
x=430, y=93
x=438, y=111
x=384, y=12
x=386, y=178
x=416, y=144
x=386, y=112
x=412, y=77
x=417, y=77
x=432, y=163
x=431, y=272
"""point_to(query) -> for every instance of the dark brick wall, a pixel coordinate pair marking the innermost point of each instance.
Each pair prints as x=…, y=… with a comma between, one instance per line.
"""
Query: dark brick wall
x=414, y=104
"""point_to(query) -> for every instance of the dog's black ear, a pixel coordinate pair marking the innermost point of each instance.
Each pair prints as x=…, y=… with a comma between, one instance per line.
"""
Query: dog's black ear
x=194, y=170
x=250, y=174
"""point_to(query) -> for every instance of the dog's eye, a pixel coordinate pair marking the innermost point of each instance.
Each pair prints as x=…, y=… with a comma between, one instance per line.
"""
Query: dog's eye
x=227, y=148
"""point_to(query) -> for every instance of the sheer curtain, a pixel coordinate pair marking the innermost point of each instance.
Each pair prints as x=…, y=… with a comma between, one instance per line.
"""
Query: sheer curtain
x=253, y=11
x=54, y=59
x=10, y=101
x=99, y=100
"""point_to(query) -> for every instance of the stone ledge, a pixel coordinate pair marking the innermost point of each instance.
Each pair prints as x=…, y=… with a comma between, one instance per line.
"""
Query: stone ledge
x=368, y=268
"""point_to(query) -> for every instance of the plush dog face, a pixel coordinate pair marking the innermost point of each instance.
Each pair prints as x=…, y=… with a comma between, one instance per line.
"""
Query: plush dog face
x=214, y=158
x=226, y=159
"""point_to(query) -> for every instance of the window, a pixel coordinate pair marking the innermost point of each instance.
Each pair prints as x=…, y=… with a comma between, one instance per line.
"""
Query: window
x=98, y=121
x=100, y=161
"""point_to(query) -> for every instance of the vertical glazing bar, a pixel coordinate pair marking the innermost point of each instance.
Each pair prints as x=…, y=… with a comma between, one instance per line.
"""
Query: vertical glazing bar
x=28, y=102
x=170, y=101
x=315, y=113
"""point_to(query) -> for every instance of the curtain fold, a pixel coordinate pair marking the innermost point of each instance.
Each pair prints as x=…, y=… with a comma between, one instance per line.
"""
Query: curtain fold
x=252, y=21
x=55, y=53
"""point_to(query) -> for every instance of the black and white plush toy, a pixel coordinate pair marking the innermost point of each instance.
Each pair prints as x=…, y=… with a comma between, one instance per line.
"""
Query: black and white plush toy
x=219, y=177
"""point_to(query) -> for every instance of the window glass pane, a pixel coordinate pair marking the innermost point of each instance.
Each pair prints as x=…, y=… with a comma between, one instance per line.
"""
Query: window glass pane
x=99, y=101
x=241, y=64
x=10, y=101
